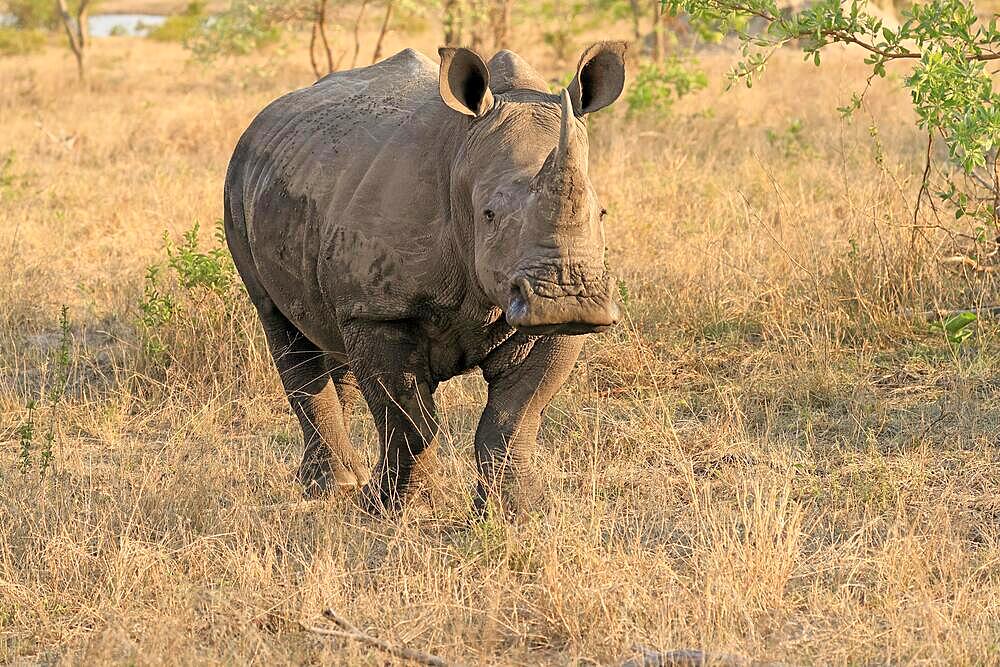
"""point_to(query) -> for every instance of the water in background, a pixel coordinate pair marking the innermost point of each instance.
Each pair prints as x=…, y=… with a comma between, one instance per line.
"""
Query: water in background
x=109, y=25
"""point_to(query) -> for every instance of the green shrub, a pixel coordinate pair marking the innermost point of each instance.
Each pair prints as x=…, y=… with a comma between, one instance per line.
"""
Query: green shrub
x=194, y=313
x=188, y=277
x=16, y=42
x=949, y=48
x=658, y=85
x=32, y=14
x=180, y=27
x=240, y=30
x=37, y=434
x=791, y=141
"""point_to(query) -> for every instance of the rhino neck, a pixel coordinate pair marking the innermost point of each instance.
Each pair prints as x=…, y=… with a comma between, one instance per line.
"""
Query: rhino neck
x=455, y=252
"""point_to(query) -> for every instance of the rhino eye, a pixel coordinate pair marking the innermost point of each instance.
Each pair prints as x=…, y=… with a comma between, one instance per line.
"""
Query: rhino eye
x=489, y=215
x=604, y=213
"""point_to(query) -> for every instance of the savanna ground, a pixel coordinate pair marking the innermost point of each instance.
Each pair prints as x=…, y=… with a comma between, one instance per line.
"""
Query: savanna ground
x=772, y=457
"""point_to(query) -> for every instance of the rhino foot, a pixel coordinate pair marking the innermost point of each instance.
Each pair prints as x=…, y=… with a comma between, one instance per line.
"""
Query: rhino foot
x=322, y=478
x=377, y=502
x=516, y=498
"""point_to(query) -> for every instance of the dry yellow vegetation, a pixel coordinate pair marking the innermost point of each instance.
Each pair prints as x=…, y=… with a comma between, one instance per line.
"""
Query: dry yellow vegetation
x=769, y=459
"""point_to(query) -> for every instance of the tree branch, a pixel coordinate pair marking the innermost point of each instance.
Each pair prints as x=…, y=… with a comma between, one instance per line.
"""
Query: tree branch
x=840, y=36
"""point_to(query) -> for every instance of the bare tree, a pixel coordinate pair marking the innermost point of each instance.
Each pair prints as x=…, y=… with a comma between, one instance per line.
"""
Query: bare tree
x=357, y=32
x=474, y=19
x=500, y=12
x=319, y=28
x=385, y=28
x=77, y=30
x=658, y=44
x=636, y=15
x=481, y=24
x=452, y=21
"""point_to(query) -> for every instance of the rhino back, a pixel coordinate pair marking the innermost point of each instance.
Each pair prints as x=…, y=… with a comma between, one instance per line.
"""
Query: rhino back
x=335, y=191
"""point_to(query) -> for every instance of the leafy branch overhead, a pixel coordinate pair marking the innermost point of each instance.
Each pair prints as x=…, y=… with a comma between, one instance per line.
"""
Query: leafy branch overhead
x=949, y=45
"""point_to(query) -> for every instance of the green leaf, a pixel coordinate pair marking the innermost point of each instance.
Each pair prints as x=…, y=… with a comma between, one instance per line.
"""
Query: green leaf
x=957, y=323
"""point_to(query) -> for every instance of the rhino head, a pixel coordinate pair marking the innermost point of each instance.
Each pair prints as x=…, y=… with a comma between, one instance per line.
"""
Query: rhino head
x=521, y=193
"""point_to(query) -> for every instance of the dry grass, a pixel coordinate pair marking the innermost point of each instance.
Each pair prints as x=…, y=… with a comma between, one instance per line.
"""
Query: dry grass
x=768, y=459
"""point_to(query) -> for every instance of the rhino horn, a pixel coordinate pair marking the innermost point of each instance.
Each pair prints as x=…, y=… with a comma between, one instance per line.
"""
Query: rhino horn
x=561, y=181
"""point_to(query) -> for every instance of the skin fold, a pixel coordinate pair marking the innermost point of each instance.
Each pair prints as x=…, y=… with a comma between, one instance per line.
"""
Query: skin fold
x=400, y=224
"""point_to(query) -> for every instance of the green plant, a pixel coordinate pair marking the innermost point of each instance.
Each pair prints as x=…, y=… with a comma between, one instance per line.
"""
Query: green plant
x=790, y=141
x=623, y=292
x=713, y=31
x=657, y=86
x=181, y=27
x=211, y=270
x=32, y=14
x=26, y=436
x=564, y=21
x=58, y=383
x=20, y=41
x=191, y=289
x=957, y=328
x=242, y=29
x=951, y=89
x=7, y=177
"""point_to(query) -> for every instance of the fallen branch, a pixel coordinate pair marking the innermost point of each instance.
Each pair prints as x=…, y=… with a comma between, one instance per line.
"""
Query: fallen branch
x=349, y=631
x=682, y=658
x=968, y=262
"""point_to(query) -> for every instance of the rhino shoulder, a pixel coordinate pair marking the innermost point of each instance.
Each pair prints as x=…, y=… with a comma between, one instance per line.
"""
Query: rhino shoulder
x=407, y=64
x=303, y=131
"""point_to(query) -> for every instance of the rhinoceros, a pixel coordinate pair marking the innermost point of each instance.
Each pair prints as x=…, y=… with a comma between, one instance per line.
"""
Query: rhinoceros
x=400, y=224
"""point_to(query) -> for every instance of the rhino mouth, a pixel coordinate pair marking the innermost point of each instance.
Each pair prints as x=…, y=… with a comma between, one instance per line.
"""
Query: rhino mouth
x=567, y=329
x=567, y=312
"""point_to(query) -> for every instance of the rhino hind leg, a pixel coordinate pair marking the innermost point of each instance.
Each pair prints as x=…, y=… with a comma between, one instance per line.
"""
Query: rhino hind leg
x=329, y=461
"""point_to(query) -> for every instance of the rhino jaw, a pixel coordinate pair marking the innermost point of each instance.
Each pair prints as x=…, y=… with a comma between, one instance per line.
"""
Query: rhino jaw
x=562, y=313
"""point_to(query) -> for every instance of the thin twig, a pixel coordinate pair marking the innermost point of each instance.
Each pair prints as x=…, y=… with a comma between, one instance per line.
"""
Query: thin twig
x=349, y=631
x=925, y=180
x=767, y=230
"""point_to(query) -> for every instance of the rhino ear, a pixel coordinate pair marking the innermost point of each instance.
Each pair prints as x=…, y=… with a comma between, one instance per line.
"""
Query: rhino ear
x=464, y=82
x=600, y=77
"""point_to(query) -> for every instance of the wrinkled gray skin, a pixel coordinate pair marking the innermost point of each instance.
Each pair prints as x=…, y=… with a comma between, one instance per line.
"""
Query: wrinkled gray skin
x=400, y=224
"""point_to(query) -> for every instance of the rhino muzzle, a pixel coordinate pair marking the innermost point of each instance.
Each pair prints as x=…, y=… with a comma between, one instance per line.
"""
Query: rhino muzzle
x=535, y=310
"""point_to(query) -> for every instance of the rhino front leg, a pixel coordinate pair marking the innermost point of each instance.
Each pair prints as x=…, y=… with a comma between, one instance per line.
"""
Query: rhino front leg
x=508, y=429
x=329, y=459
x=390, y=365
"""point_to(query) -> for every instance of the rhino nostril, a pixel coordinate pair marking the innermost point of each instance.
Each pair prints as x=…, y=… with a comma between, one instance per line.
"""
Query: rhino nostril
x=515, y=290
x=518, y=298
x=614, y=312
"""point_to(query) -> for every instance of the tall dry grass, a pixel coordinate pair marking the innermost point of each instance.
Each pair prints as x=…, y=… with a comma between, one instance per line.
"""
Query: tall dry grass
x=769, y=458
